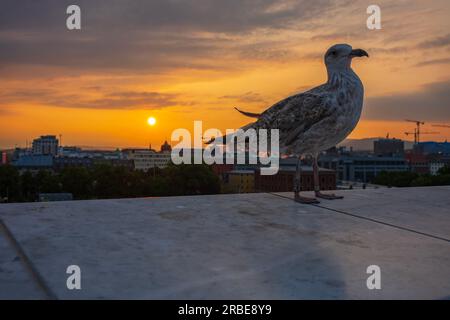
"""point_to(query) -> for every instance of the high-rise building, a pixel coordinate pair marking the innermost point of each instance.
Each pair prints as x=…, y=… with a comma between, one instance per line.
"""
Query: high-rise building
x=389, y=147
x=45, y=145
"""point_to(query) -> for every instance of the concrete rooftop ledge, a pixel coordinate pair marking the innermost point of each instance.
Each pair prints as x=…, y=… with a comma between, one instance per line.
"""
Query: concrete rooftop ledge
x=240, y=246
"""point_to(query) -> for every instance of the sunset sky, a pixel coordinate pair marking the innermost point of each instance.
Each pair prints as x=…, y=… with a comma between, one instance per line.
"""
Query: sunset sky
x=186, y=60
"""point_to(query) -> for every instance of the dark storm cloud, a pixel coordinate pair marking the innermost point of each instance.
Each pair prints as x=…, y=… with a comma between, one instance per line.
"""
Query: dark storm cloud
x=114, y=100
x=438, y=42
x=206, y=15
x=433, y=62
x=139, y=35
x=432, y=103
x=106, y=52
x=247, y=97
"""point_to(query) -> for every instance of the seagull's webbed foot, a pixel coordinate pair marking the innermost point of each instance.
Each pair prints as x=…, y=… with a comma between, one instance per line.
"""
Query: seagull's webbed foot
x=331, y=196
x=305, y=200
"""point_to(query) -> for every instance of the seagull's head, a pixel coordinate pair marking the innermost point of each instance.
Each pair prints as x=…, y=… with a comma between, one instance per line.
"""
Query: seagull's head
x=339, y=56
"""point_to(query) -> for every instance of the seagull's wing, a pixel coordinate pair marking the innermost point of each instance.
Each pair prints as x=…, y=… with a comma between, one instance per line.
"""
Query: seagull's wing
x=294, y=115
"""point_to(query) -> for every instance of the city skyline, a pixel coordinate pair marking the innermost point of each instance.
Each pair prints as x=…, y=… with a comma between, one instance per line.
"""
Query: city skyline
x=99, y=85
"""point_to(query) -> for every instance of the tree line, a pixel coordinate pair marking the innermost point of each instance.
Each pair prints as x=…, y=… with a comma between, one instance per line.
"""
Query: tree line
x=106, y=181
x=413, y=179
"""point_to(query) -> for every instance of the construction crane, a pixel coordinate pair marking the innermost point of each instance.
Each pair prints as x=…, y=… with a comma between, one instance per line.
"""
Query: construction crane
x=416, y=136
x=417, y=130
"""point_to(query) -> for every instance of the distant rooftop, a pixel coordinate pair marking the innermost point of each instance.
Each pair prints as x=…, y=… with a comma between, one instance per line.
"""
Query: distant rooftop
x=34, y=160
x=238, y=246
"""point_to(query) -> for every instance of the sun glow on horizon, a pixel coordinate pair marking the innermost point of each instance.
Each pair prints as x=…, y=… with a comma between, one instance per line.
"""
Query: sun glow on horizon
x=151, y=121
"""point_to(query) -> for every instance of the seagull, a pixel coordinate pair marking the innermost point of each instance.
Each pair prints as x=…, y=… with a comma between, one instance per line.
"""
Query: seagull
x=318, y=119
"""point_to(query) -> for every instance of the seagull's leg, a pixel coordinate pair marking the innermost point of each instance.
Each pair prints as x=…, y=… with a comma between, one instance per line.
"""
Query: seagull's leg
x=297, y=186
x=317, y=183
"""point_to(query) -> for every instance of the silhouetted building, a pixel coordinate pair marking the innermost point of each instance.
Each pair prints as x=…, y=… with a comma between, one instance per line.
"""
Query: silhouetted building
x=4, y=158
x=432, y=147
x=362, y=168
x=45, y=145
x=34, y=162
x=240, y=181
x=418, y=162
x=221, y=169
x=166, y=147
x=60, y=163
x=389, y=147
x=283, y=181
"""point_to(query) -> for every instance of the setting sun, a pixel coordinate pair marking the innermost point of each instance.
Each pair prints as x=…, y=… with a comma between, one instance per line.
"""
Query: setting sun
x=151, y=121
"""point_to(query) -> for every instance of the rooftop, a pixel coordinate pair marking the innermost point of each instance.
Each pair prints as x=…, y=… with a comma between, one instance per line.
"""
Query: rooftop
x=239, y=246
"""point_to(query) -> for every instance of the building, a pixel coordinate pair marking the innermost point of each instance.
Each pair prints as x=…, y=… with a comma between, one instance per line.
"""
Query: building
x=362, y=167
x=146, y=159
x=166, y=147
x=435, y=166
x=221, y=169
x=432, y=147
x=45, y=145
x=70, y=151
x=389, y=147
x=34, y=162
x=239, y=181
x=60, y=163
x=4, y=158
x=241, y=177
x=417, y=162
x=75, y=152
x=20, y=152
x=283, y=181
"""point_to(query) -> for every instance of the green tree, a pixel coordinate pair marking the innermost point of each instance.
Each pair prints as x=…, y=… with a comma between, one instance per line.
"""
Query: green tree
x=9, y=183
x=395, y=179
x=191, y=179
x=111, y=182
x=444, y=170
x=29, y=187
x=47, y=182
x=78, y=181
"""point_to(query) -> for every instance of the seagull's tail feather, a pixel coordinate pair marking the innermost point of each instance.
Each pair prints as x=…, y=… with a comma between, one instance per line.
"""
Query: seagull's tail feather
x=228, y=136
x=248, y=114
x=210, y=141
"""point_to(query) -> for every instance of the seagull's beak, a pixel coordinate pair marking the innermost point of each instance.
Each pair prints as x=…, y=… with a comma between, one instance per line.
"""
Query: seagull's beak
x=358, y=53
